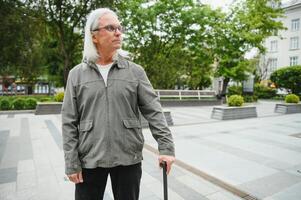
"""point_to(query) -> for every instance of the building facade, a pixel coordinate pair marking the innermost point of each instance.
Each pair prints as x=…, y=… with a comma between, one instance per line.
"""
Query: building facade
x=285, y=50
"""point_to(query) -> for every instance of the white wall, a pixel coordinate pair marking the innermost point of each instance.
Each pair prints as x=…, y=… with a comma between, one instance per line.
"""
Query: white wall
x=283, y=52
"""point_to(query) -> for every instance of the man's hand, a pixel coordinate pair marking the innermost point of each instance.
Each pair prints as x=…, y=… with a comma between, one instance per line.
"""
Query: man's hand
x=168, y=159
x=76, y=178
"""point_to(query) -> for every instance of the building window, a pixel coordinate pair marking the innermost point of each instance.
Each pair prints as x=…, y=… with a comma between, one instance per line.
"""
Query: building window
x=274, y=46
x=273, y=65
x=294, y=43
x=295, y=24
x=293, y=60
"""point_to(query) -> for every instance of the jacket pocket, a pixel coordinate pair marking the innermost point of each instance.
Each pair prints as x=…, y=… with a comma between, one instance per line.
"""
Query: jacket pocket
x=85, y=141
x=133, y=138
x=131, y=123
x=85, y=125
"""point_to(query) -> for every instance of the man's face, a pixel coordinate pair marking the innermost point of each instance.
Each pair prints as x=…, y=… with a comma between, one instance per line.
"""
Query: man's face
x=108, y=36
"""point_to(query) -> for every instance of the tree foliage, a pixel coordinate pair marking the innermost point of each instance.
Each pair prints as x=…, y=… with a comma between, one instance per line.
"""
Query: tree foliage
x=288, y=78
x=178, y=42
x=65, y=21
x=171, y=40
x=248, y=24
x=20, y=35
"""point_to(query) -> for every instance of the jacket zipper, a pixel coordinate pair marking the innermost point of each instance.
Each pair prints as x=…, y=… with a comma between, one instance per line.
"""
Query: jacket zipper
x=110, y=160
x=108, y=136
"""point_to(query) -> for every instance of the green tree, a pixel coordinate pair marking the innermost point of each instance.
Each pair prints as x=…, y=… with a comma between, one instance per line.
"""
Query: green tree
x=65, y=20
x=171, y=40
x=20, y=33
x=288, y=78
x=248, y=24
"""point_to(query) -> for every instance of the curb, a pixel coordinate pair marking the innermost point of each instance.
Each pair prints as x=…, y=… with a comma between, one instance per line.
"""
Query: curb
x=6, y=112
x=230, y=188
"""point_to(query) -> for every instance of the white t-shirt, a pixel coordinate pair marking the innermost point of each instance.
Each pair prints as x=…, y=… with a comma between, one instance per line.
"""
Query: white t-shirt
x=104, y=71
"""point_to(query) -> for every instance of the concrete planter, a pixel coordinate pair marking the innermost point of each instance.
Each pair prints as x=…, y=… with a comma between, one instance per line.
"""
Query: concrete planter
x=167, y=115
x=189, y=102
x=45, y=108
x=288, y=108
x=228, y=113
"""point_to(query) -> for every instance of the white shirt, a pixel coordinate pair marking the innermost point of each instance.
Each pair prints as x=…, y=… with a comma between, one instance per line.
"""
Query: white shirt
x=104, y=71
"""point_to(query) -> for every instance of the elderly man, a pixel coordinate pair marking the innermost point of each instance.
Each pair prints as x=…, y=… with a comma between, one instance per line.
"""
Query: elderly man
x=101, y=125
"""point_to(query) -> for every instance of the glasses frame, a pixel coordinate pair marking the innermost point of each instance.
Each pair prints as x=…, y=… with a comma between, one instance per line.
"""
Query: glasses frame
x=109, y=28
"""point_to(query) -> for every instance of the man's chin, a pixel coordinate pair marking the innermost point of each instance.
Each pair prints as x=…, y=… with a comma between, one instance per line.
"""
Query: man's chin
x=117, y=47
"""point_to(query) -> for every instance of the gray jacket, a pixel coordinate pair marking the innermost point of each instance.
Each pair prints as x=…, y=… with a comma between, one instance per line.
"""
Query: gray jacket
x=101, y=124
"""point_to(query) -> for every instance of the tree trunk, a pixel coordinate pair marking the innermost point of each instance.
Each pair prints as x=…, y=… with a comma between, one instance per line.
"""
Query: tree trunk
x=29, y=89
x=225, y=85
x=66, y=71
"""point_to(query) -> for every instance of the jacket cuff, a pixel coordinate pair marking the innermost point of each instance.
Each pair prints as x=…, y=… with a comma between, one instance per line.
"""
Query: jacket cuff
x=167, y=150
x=72, y=163
x=72, y=169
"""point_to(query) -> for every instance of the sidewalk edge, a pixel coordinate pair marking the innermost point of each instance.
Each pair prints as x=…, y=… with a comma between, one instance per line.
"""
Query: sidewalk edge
x=240, y=193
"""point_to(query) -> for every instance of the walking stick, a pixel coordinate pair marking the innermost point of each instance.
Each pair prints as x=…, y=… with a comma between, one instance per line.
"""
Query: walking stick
x=164, y=165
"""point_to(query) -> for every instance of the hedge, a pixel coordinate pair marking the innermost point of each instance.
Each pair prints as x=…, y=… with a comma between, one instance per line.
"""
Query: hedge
x=288, y=78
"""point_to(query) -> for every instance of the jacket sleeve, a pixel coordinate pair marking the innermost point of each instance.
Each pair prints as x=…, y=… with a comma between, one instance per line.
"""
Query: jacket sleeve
x=69, y=129
x=151, y=109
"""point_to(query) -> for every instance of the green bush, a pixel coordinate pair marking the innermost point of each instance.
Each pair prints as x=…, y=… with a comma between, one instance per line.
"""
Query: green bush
x=45, y=99
x=235, y=100
x=18, y=104
x=279, y=97
x=59, y=97
x=30, y=103
x=232, y=90
x=264, y=92
x=4, y=104
x=292, y=98
x=288, y=78
x=250, y=98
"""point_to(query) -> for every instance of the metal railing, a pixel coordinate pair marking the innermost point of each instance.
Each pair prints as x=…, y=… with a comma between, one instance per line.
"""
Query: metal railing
x=182, y=94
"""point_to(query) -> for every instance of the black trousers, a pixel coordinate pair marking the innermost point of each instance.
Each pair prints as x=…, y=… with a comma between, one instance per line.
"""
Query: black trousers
x=125, y=181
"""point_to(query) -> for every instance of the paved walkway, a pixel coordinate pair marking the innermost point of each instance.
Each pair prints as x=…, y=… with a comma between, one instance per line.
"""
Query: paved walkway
x=32, y=166
x=259, y=156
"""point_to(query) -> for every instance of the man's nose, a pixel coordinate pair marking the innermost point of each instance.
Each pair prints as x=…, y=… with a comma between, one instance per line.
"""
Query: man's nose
x=118, y=32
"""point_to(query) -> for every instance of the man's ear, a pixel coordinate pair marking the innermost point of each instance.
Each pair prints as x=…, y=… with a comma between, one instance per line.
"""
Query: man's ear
x=94, y=38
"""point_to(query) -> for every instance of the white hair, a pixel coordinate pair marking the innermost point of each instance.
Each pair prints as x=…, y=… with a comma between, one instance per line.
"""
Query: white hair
x=90, y=52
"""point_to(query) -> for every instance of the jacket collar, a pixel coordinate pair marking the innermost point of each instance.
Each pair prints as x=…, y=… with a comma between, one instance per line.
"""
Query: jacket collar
x=118, y=61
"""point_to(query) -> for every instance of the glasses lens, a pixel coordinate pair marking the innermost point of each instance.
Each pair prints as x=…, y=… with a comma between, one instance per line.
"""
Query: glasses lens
x=121, y=29
x=110, y=28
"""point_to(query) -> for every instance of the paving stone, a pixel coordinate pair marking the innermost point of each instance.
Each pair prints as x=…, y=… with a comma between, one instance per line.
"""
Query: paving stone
x=29, y=193
x=55, y=133
x=26, y=180
x=11, y=116
x=222, y=196
x=25, y=141
x=11, y=153
x=4, y=135
x=184, y=191
x=251, y=156
x=198, y=185
x=290, y=193
x=8, y=175
x=7, y=190
x=26, y=166
x=145, y=193
x=269, y=185
x=66, y=191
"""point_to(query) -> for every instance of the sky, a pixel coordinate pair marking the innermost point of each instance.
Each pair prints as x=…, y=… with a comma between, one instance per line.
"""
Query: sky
x=218, y=3
x=224, y=4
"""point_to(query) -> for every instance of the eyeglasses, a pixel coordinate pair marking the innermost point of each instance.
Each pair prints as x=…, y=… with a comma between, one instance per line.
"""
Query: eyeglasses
x=111, y=28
